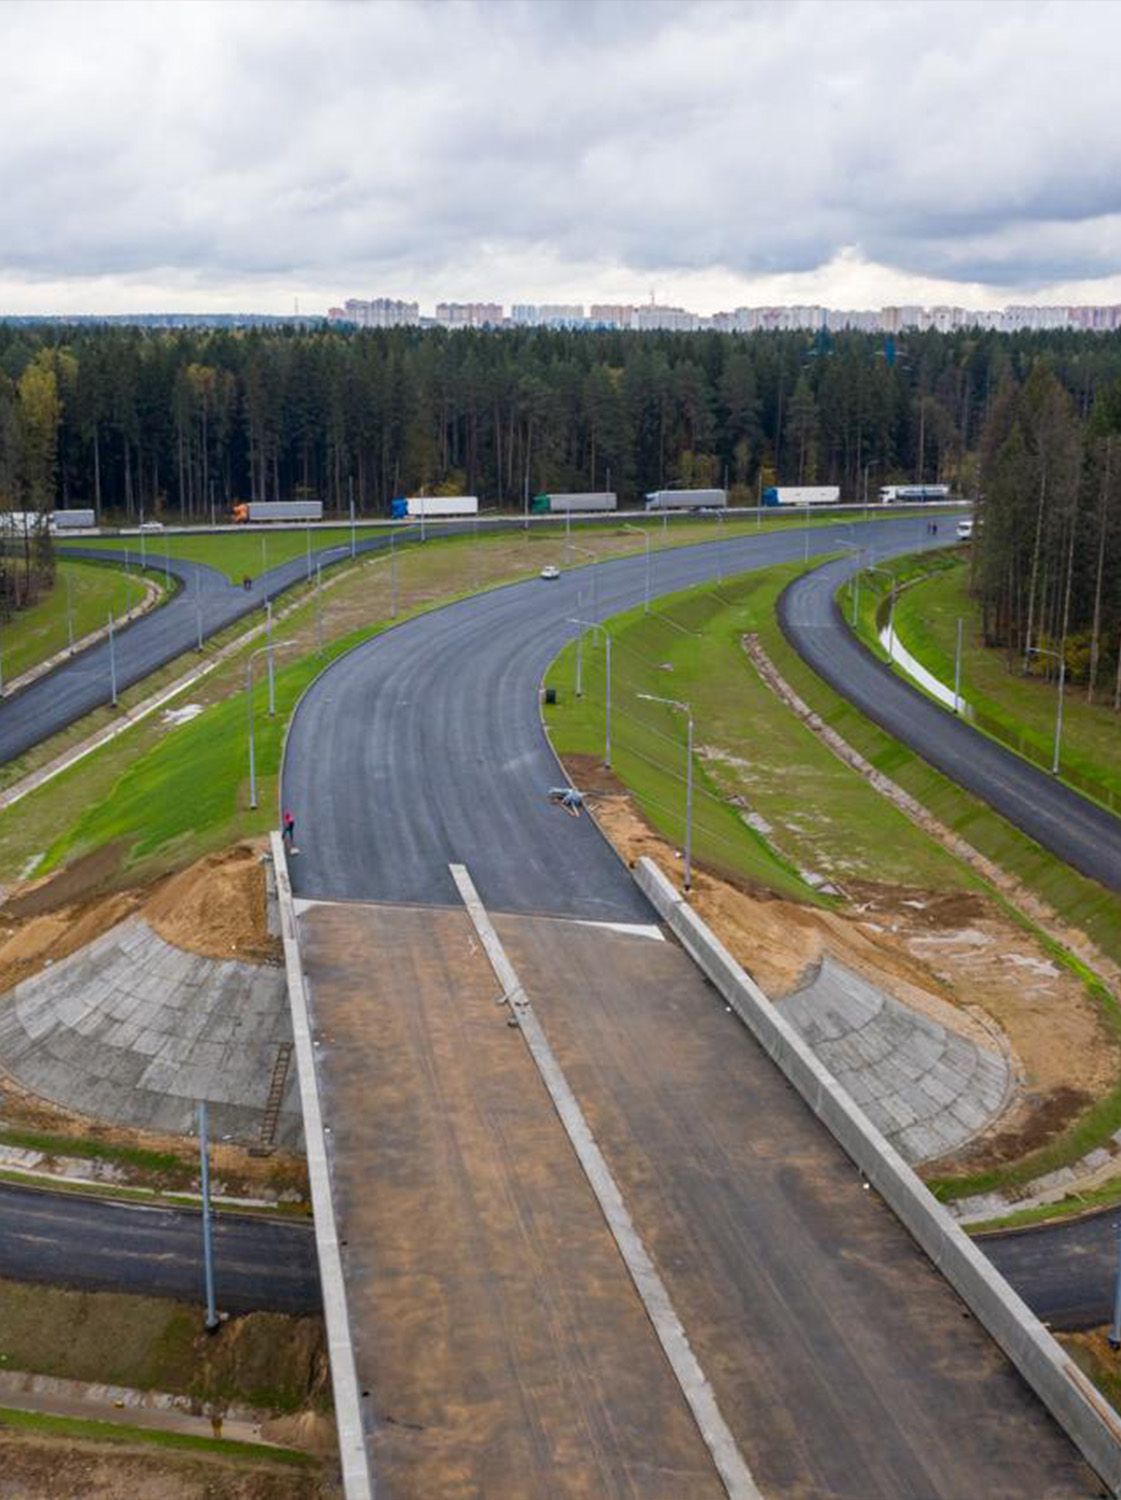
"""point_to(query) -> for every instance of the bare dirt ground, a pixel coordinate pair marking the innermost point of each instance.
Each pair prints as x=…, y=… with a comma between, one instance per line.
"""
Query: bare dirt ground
x=215, y=907
x=37, y=1468
x=953, y=956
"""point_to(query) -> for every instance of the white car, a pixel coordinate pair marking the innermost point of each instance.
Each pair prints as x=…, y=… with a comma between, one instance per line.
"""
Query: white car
x=550, y=572
x=965, y=530
x=151, y=526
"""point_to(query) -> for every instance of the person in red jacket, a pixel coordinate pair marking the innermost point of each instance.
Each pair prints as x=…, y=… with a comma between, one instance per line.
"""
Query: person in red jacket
x=288, y=833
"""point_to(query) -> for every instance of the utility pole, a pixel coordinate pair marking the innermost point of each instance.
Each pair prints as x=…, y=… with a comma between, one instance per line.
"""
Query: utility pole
x=957, y=671
x=212, y=1319
x=112, y=664
x=270, y=659
x=594, y=625
x=683, y=708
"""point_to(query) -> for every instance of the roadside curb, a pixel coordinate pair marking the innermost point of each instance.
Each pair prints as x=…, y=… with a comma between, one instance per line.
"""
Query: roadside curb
x=357, y=1479
x=1071, y=1398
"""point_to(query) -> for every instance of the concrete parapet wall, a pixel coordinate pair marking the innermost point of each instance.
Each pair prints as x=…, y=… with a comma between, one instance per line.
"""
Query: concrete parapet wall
x=357, y=1480
x=1083, y=1413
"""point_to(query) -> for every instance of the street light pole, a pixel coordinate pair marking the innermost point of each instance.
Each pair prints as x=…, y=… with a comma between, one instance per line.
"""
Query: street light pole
x=270, y=660
x=198, y=607
x=319, y=607
x=1060, y=657
x=957, y=671
x=594, y=625
x=644, y=533
x=308, y=531
x=260, y=651
x=212, y=1319
x=69, y=609
x=683, y=708
x=353, y=539
x=393, y=573
x=891, y=608
x=592, y=573
x=112, y=664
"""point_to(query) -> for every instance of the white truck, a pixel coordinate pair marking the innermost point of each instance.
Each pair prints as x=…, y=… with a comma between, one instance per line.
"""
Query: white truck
x=801, y=494
x=687, y=500
x=74, y=519
x=912, y=494
x=433, y=506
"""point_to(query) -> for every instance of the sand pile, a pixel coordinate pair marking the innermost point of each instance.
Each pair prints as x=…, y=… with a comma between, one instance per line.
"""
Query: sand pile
x=216, y=907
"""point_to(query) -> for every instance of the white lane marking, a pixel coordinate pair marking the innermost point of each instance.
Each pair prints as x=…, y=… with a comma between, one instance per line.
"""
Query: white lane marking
x=629, y=929
x=698, y=1393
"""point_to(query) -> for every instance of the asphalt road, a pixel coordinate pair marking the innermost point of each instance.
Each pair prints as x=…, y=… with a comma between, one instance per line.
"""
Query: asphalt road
x=1077, y=830
x=58, y=699
x=424, y=747
x=95, y=1245
x=1066, y=1272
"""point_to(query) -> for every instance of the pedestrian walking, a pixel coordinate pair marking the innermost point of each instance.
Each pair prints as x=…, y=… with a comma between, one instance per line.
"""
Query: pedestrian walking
x=288, y=832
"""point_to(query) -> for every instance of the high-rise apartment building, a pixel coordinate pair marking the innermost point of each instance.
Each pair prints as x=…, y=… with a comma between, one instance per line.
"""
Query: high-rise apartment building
x=469, y=314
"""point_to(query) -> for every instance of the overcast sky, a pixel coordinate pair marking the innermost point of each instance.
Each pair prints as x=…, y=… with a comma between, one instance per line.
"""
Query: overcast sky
x=192, y=156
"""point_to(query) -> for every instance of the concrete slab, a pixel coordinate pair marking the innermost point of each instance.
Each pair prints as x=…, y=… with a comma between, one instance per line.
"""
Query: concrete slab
x=501, y=1341
x=838, y=1354
x=133, y=1030
x=925, y=1088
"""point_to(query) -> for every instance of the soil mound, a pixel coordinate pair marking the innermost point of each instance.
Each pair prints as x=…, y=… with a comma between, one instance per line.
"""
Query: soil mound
x=216, y=907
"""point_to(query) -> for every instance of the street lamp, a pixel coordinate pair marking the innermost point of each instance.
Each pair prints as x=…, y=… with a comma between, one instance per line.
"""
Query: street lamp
x=592, y=571
x=859, y=551
x=260, y=651
x=873, y=463
x=683, y=708
x=644, y=533
x=594, y=625
x=112, y=664
x=1061, y=659
x=885, y=573
x=353, y=539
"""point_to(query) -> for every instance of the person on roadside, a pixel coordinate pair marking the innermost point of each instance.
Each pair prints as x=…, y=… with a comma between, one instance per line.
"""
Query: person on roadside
x=288, y=832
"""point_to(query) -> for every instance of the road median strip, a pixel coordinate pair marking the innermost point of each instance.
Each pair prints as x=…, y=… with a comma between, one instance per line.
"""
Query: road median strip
x=694, y=1384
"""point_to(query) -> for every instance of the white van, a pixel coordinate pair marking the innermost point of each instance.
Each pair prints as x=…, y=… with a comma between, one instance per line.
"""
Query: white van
x=965, y=529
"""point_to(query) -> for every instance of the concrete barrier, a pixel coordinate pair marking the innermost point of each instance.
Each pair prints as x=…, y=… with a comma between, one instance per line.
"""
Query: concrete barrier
x=357, y=1479
x=1071, y=1398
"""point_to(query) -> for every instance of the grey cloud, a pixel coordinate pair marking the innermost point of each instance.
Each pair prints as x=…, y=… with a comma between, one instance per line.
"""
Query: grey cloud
x=973, y=141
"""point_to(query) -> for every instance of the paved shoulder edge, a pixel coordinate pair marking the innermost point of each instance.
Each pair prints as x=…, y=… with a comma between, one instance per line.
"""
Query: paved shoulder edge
x=357, y=1479
x=1070, y=1397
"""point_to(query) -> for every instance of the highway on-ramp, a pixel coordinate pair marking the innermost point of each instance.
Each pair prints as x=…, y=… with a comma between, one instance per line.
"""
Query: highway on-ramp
x=495, y=1342
x=1079, y=831
x=204, y=600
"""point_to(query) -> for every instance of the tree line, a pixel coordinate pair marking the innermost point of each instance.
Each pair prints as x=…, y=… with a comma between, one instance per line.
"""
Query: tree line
x=182, y=423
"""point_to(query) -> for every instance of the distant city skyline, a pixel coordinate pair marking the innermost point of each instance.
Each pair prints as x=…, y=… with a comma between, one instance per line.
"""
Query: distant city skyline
x=847, y=153
x=390, y=312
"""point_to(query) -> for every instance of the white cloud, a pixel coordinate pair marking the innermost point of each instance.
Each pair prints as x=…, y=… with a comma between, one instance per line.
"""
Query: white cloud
x=234, y=154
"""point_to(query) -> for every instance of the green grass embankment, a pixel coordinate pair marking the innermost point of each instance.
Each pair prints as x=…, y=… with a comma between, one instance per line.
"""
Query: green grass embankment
x=812, y=814
x=35, y=635
x=1018, y=711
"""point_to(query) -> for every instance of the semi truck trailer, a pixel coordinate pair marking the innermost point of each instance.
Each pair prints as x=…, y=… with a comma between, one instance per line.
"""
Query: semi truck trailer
x=801, y=494
x=687, y=500
x=544, y=505
x=911, y=494
x=431, y=506
x=278, y=510
x=72, y=520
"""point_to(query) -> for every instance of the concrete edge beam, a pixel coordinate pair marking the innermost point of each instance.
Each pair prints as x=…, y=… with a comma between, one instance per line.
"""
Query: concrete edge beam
x=1074, y=1402
x=358, y=1481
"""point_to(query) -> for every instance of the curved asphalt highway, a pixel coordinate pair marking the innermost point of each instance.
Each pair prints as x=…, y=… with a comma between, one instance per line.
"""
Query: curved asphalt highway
x=1077, y=830
x=56, y=700
x=425, y=746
